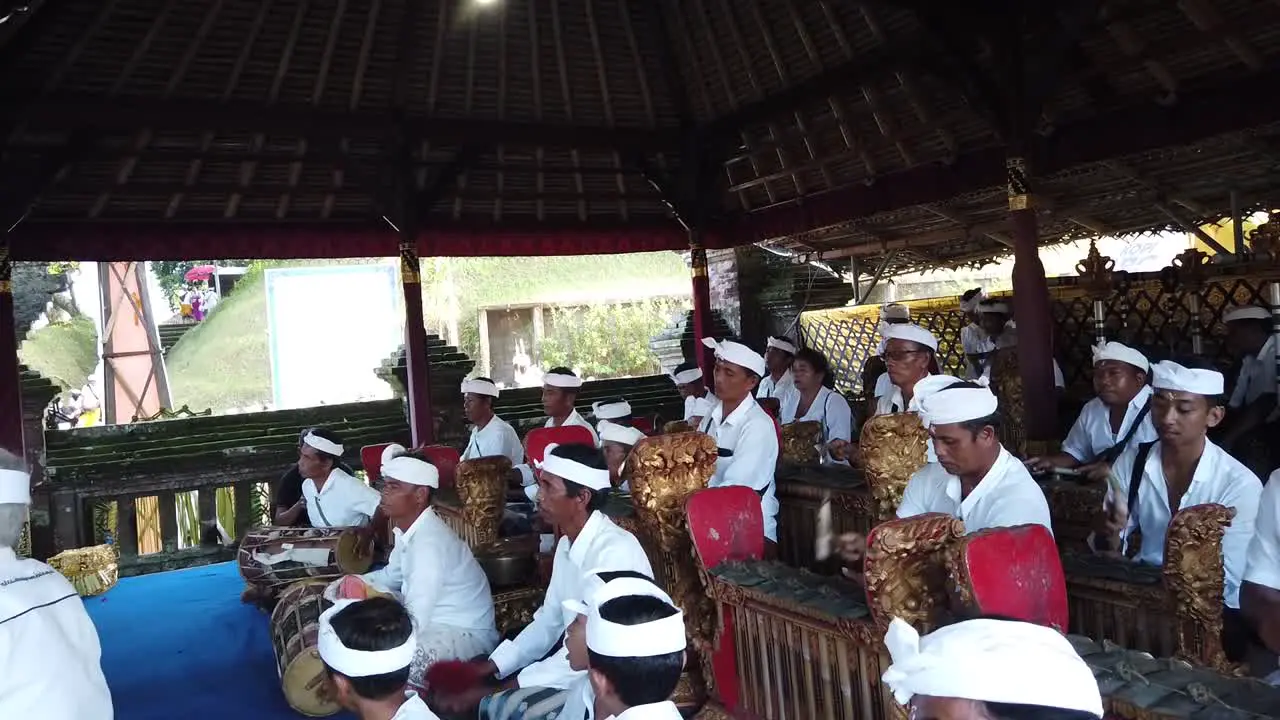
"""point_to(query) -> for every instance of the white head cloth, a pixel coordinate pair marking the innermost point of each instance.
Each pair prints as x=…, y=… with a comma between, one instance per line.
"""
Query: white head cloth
x=992, y=306
x=684, y=377
x=1168, y=375
x=479, y=387
x=359, y=663
x=592, y=585
x=611, y=410
x=782, y=344
x=1121, y=353
x=972, y=303
x=997, y=661
x=928, y=386
x=738, y=354
x=1246, y=312
x=659, y=637
x=15, y=487
x=701, y=406
x=948, y=405
x=412, y=471
x=895, y=311
x=324, y=446
x=394, y=450
x=557, y=380
x=907, y=331
x=574, y=471
x=613, y=432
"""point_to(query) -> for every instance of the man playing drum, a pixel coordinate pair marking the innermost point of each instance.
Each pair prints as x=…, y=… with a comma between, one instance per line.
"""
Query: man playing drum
x=367, y=648
x=330, y=496
x=430, y=568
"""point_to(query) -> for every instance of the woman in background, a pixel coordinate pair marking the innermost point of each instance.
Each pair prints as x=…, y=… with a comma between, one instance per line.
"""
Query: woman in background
x=817, y=401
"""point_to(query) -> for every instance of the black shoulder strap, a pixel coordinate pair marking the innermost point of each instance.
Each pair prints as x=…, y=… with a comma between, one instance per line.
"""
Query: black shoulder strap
x=1135, y=478
x=1110, y=454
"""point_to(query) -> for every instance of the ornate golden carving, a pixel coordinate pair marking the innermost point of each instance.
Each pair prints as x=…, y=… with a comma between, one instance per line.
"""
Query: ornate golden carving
x=1194, y=577
x=800, y=441
x=1096, y=273
x=676, y=427
x=893, y=447
x=409, y=264
x=698, y=262
x=1191, y=268
x=906, y=569
x=482, y=485
x=1006, y=383
x=667, y=470
x=513, y=609
x=6, y=269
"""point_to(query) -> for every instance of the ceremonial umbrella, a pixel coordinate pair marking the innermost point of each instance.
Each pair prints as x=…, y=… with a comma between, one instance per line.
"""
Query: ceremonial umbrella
x=200, y=272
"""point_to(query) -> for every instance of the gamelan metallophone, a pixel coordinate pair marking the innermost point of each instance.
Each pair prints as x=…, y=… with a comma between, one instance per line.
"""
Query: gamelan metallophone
x=801, y=492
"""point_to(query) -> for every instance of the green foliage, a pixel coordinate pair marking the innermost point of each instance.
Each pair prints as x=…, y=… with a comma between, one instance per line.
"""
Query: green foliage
x=608, y=340
x=171, y=274
x=62, y=268
x=65, y=353
x=225, y=361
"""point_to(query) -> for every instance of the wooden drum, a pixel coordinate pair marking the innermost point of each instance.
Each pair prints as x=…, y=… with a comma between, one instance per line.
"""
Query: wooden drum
x=272, y=557
x=295, y=630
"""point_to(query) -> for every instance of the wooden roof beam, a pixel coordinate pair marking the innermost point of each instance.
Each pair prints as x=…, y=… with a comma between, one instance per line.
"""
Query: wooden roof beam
x=966, y=225
x=305, y=121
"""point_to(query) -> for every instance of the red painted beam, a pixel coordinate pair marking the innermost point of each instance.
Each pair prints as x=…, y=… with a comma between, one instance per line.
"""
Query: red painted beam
x=105, y=242
x=1199, y=115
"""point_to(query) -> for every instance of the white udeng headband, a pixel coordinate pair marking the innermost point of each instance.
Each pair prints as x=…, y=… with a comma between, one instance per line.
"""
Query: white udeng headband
x=1246, y=312
x=659, y=637
x=479, y=387
x=955, y=405
x=1169, y=375
x=1120, y=353
x=738, y=354
x=782, y=345
x=324, y=446
x=359, y=663
x=15, y=487
x=572, y=471
x=412, y=471
x=562, y=381
x=611, y=410
x=685, y=377
x=613, y=432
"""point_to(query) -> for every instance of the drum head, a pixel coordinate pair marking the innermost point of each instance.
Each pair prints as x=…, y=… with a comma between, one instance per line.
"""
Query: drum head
x=348, y=557
x=303, y=682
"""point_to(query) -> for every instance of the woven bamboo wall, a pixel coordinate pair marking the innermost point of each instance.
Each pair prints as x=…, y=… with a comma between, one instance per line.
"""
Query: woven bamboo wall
x=1145, y=313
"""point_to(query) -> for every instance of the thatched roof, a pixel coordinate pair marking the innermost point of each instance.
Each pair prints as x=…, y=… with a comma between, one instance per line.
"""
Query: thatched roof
x=845, y=127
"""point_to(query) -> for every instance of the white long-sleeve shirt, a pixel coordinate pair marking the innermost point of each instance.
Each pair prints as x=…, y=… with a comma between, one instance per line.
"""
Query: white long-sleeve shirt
x=437, y=578
x=343, y=501
x=665, y=710
x=829, y=408
x=50, y=658
x=780, y=388
x=414, y=709
x=1091, y=434
x=1257, y=376
x=749, y=436
x=1006, y=496
x=974, y=341
x=1263, y=564
x=602, y=546
x=575, y=419
x=1219, y=478
x=497, y=437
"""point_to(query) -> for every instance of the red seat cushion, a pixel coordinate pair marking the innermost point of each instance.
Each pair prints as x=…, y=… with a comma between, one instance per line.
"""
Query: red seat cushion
x=727, y=524
x=445, y=459
x=1016, y=572
x=536, y=442
x=371, y=458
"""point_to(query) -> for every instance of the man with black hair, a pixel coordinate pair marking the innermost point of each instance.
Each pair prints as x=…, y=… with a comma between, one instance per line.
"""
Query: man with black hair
x=366, y=647
x=560, y=387
x=430, y=569
x=1151, y=481
x=573, y=486
x=990, y=669
x=332, y=498
x=692, y=387
x=973, y=339
x=290, y=509
x=491, y=436
x=617, y=442
x=745, y=435
x=777, y=382
x=1253, y=400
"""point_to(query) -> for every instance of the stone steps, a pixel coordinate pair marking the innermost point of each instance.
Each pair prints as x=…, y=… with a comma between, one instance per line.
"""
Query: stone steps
x=171, y=333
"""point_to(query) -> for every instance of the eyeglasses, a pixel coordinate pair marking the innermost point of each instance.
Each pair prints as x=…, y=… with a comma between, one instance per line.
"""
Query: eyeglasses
x=898, y=355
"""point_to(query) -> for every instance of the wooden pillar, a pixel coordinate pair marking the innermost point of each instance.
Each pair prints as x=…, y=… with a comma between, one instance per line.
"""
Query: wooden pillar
x=415, y=345
x=10, y=381
x=1031, y=309
x=702, y=322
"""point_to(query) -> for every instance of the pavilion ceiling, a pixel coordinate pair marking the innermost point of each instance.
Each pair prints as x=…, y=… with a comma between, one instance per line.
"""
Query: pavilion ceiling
x=842, y=128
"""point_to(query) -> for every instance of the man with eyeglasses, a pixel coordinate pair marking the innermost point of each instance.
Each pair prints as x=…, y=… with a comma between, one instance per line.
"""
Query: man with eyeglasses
x=909, y=353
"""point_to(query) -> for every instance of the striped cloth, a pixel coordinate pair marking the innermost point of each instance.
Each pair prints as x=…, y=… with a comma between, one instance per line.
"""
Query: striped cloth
x=534, y=703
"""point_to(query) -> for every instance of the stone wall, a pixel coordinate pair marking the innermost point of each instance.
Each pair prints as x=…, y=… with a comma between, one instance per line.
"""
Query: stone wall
x=759, y=294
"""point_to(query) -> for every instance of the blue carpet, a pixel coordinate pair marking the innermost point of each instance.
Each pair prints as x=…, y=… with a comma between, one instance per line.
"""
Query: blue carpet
x=181, y=645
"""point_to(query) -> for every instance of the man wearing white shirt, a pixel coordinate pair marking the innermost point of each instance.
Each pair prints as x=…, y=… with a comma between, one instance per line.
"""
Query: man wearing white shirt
x=50, y=658
x=778, y=381
x=1260, y=593
x=367, y=647
x=1183, y=468
x=974, y=341
x=1118, y=417
x=491, y=436
x=975, y=478
x=332, y=497
x=431, y=570
x=744, y=433
x=616, y=411
x=692, y=387
x=875, y=382
x=1253, y=400
x=560, y=387
x=909, y=352
x=572, y=487
x=616, y=442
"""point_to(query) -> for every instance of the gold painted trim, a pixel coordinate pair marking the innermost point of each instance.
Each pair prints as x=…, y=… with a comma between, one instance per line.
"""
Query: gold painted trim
x=1021, y=202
